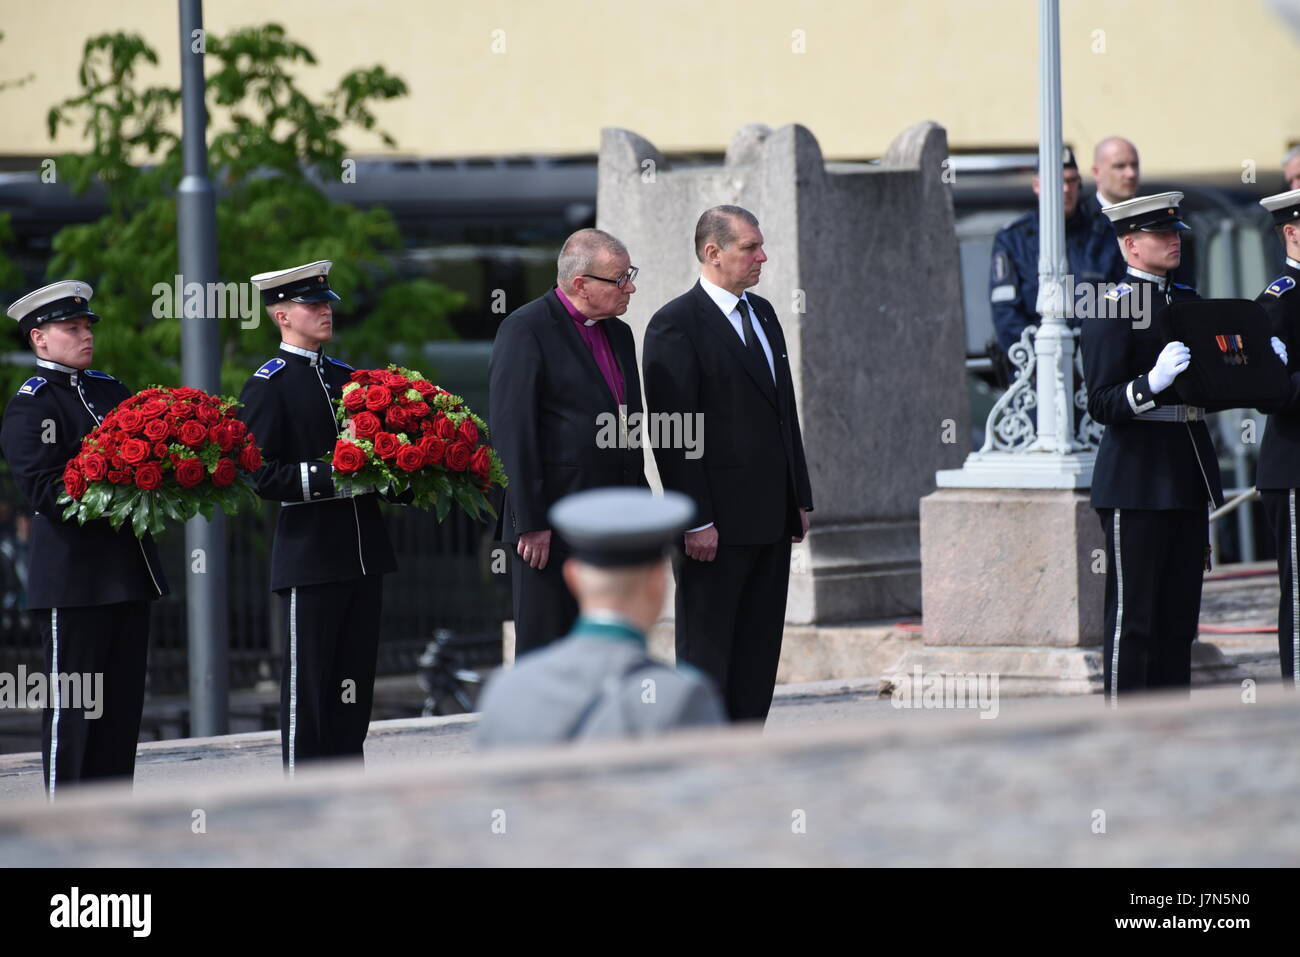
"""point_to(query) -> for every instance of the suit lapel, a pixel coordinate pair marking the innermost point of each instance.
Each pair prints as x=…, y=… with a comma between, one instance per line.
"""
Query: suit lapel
x=569, y=333
x=713, y=320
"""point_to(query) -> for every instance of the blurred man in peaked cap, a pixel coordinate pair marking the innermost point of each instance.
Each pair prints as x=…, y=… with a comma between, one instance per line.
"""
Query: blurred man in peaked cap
x=598, y=681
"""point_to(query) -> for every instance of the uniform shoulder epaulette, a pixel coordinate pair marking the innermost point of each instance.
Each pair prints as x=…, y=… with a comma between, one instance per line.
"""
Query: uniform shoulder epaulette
x=269, y=368
x=1279, y=287
x=1180, y=285
x=340, y=362
x=32, y=385
x=96, y=374
x=1121, y=289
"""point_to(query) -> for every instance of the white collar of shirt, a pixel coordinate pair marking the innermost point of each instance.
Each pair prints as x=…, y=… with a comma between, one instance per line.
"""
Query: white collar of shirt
x=1102, y=201
x=726, y=301
x=315, y=357
x=1292, y=263
x=1162, y=281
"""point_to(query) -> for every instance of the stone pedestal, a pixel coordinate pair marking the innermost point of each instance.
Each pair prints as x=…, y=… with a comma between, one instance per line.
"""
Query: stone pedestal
x=861, y=272
x=1014, y=584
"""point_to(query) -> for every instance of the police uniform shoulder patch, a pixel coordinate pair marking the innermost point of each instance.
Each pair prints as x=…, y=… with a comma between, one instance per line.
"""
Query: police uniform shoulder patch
x=1179, y=285
x=340, y=362
x=1280, y=287
x=96, y=374
x=1121, y=289
x=32, y=385
x=270, y=368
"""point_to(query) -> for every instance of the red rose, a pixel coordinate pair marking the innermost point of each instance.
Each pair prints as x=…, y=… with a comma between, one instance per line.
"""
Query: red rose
x=481, y=463
x=118, y=477
x=74, y=481
x=155, y=430
x=183, y=412
x=445, y=429
x=396, y=418
x=160, y=450
x=190, y=472
x=348, y=458
x=426, y=427
x=237, y=428
x=250, y=458
x=224, y=473
x=193, y=433
x=148, y=477
x=458, y=456
x=397, y=382
x=386, y=445
x=425, y=389
x=187, y=394
x=362, y=376
x=355, y=400
x=95, y=467
x=207, y=414
x=417, y=410
x=433, y=449
x=410, y=458
x=378, y=398
x=366, y=425
x=469, y=431
x=116, y=461
x=134, y=451
x=221, y=436
x=153, y=408
x=130, y=420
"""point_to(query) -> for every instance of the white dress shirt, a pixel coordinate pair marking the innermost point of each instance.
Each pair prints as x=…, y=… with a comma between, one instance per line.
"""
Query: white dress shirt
x=727, y=302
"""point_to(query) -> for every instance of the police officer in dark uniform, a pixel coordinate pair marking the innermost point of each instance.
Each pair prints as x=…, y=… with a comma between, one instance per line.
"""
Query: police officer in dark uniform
x=1013, y=278
x=88, y=586
x=331, y=549
x=1156, y=471
x=1277, y=475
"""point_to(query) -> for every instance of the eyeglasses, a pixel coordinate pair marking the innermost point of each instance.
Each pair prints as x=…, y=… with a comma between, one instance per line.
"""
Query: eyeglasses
x=621, y=282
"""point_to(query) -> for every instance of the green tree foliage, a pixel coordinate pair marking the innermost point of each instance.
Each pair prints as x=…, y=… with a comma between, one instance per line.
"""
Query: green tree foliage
x=269, y=146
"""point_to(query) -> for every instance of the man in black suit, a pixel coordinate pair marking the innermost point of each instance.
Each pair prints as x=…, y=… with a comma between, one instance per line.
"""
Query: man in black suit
x=719, y=352
x=563, y=386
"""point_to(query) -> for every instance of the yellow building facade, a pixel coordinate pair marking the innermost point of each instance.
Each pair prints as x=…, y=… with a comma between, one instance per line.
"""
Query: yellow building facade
x=1203, y=86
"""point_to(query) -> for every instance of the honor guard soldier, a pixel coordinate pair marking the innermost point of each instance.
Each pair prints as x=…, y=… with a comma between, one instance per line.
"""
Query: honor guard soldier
x=1277, y=475
x=95, y=583
x=331, y=549
x=598, y=682
x=1156, y=471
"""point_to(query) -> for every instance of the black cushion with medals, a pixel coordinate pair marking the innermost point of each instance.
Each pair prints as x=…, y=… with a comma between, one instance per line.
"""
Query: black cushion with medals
x=1233, y=364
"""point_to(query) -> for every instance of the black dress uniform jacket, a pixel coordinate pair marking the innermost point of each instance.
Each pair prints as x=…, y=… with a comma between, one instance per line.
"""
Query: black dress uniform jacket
x=1142, y=464
x=322, y=535
x=752, y=478
x=71, y=565
x=547, y=402
x=1279, y=453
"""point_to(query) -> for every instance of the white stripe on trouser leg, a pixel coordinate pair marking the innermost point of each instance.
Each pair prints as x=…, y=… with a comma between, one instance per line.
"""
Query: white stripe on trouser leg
x=1295, y=601
x=54, y=680
x=293, y=676
x=1119, y=618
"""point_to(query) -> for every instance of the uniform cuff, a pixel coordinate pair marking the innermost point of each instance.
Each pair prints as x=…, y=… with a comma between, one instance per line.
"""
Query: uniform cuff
x=317, y=481
x=1139, y=396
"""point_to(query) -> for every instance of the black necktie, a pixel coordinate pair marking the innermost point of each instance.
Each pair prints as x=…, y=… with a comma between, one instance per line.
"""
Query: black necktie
x=750, y=337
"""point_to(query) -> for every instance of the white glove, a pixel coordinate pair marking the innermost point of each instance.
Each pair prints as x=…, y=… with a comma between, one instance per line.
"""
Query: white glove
x=1173, y=360
x=1280, y=348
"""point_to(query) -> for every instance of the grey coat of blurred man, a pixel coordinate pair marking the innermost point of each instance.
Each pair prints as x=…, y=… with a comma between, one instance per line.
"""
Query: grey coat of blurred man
x=717, y=352
x=563, y=373
x=598, y=682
